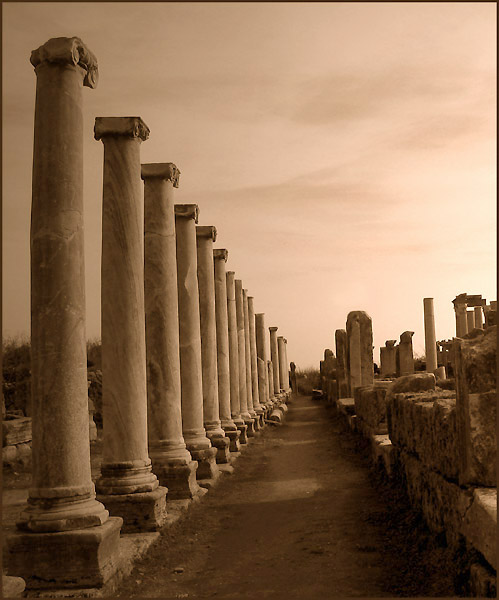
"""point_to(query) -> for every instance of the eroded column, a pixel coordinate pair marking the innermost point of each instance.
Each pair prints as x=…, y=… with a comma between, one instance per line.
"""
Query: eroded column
x=171, y=461
x=223, y=358
x=127, y=485
x=429, y=334
x=340, y=337
x=197, y=442
x=249, y=376
x=241, y=349
x=261, y=350
x=62, y=495
x=257, y=406
x=205, y=236
x=405, y=356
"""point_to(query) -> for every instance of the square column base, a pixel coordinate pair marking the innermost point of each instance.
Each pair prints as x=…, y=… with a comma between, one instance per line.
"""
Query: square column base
x=243, y=439
x=179, y=478
x=79, y=558
x=140, y=512
x=250, y=424
x=222, y=445
x=234, y=440
x=207, y=465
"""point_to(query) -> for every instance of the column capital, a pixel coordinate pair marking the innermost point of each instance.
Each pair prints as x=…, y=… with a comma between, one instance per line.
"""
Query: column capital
x=390, y=343
x=167, y=171
x=220, y=254
x=280, y=337
x=273, y=328
x=132, y=127
x=206, y=231
x=70, y=51
x=251, y=297
x=187, y=211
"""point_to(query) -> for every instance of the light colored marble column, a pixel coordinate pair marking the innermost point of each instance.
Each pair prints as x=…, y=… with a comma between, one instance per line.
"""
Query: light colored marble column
x=127, y=485
x=223, y=359
x=235, y=403
x=171, y=461
x=197, y=442
x=241, y=349
x=254, y=362
x=249, y=376
x=61, y=506
x=261, y=350
x=461, y=319
x=288, y=387
x=205, y=236
x=283, y=370
x=429, y=334
x=470, y=320
x=478, y=317
x=274, y=357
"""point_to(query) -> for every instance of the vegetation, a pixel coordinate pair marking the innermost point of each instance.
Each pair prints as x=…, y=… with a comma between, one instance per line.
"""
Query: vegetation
x=307, y=380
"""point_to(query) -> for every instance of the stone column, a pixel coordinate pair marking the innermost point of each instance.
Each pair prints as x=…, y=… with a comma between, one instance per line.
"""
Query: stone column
x=171, y=461
x=478, y=324
x=198, y=444
x=353, y=357
x=405, y=354
x=294, y=384
x=360, y=349
x=257, y=406
x=388, y=359
x=270, y=378
x=283, y=365
x=205, y=236
x=223, y=359
x=62, y=495
x=235, y=403
x=429, y=334
x=127, y=485
x=461, y=319
x=470, y=320
x=249, y=376
x=263, y=381
x=274, y=357
x=241, y=349
x=340, y=337
x=287, y=386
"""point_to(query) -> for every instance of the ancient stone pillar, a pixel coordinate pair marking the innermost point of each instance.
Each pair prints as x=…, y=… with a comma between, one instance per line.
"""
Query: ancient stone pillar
x=283, y=365
x=205, y=236
x=470, y=320
x=249, y=376
x=274, y=357
x=241, y=348
x=388, y=359
x=287, y=385
x=294, y=384
x=360, y=349
x=223, y=360
x=478, y=317
x=235, y=403
x=171, y=461
x=461, y=319
x=270, y=377
x=62, y=495
x=127, y=485
x=261, y=349
x=429, y=335
x=405, y=357
x=257, y=406
x=197, y=442
x=340, y=337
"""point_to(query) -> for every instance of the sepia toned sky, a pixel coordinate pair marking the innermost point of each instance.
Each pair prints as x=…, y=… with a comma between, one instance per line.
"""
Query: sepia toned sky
x=345, y=151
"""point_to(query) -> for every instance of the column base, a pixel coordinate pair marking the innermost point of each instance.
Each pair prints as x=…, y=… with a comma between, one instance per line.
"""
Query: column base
x=277, y=416
x=222, y=445
x=207, y=466
x=234, y=440
x=140, y=512
x=179, y=478
x=250, y=424
x=81, y=558
x=243, y=439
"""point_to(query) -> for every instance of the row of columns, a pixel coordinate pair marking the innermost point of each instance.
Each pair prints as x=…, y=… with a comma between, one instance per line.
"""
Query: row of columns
x=186, y=378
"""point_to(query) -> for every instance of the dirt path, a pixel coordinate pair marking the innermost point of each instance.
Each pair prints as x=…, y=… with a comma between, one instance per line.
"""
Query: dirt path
x=300, y=518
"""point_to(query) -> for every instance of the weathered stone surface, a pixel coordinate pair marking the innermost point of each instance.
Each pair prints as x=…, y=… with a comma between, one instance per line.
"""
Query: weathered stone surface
x=424, y=424
x=340, y=337
x=140, y=512
x=479, y=360
x=370, y=406
x=12, y=587
x=16, y=431
x=482, y=582
x=346, y=405
x=360, y=365
x=404, y=356
x=418, y=382
x=181, y=479
x=479, y=525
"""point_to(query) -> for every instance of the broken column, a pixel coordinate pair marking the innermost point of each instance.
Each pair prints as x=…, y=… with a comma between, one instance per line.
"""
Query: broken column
x=197, y=442
x=341, y=363
x=171, y=461
x=405, y=357
x=223, y=360
x=429, y=335
x=205, y=236
x=359, y=349
x=264, y=389
x=241, y=350
x=66, y=530
x=127, y=485
x=388, y=359
x=257, y=406
x=235, y=404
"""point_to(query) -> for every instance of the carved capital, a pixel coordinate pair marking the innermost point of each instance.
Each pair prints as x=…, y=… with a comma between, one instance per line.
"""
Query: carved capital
x=167, y=171
x=273, y=328
x=206, y=231
x=221, y=254
x=70, y=51
x=132, y=127
x=187, y=211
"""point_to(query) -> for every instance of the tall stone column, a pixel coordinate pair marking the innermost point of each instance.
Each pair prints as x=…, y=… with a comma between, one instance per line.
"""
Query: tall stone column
x=283, y=365
x=235, y=403
x=429, y=335
x=258, y=408
x=478, y=324
x=249, y=376
x=354, y=360
x=405, y=357
x=388, y=359
x=360, y=349
x=62, y=495
x=205, y=236
x=340, y=337
x=287, y=386
x=127, y=485
x=223, y=359
x=461, y=319
x=197, y=442
x=261, y=350
x=241, y=349
x=274, y=357
x=470, y=320
x=171, y=461
x=270, y=377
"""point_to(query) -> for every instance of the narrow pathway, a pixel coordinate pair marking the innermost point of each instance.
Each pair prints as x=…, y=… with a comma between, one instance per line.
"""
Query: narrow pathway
x=300, y=518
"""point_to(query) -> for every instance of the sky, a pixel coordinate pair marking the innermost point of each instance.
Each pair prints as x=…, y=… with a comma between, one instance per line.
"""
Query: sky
x=345, y=152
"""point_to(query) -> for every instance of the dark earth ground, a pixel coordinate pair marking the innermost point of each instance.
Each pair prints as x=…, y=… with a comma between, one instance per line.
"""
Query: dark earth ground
x=303, y=516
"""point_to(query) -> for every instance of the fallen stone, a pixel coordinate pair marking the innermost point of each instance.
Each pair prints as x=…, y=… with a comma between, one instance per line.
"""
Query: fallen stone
x=12, y=587
x=417, y=382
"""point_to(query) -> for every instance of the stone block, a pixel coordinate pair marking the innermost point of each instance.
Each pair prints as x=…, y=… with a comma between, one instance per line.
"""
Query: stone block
x=143, y=511
x=417, y=382
x=179, y=478
x=80, y=558
x=479, y=525
x=346, y=406
x=16, y=431
x=207, y=465
x=482, y=582
x=370, y=406
x=12, y=587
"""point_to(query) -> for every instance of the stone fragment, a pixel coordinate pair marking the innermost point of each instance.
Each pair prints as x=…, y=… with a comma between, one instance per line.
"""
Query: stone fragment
x=16, y=431
x=370, y=406
x=418, y=382
x=12, y=587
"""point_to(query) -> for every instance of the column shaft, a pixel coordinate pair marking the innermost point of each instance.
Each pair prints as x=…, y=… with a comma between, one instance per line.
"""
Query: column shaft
x=241, y=348
x=261, y=350
x=274, y=357
x=253, y=353
x=247, y=354
x=430, y=337
x=283, y=371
